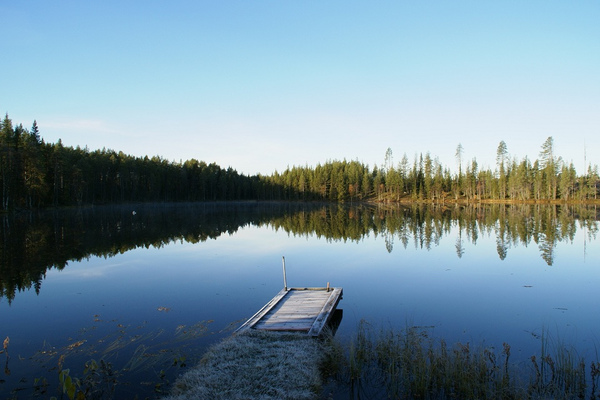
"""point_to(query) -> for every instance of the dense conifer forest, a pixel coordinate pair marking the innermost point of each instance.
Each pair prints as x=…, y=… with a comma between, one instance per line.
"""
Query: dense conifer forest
x=35, y=174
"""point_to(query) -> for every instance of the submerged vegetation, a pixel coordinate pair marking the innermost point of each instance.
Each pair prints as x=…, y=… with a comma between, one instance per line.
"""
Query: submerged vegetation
x=35, y=174
x=113, y=355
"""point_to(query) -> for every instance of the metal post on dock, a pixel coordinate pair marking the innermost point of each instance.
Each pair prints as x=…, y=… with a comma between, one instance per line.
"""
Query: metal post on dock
x=284, y=277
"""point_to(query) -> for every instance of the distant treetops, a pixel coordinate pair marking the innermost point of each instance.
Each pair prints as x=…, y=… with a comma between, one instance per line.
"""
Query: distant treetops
x=35, y=174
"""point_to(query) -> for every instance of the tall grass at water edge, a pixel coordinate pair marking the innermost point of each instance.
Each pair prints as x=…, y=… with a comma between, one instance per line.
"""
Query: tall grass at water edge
x=412, y=364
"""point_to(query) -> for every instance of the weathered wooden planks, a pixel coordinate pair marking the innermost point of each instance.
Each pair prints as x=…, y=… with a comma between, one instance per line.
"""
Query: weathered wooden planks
x=296, y=309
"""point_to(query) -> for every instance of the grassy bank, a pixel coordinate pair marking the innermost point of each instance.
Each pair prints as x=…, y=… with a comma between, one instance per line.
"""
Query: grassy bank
x=256, y=365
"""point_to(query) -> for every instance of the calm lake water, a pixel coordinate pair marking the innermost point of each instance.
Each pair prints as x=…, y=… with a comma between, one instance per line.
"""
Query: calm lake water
x=148, y=288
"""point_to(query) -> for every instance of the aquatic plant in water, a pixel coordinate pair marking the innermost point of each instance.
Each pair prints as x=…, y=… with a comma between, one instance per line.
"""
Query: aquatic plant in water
x=412, y=364
x=99, y=381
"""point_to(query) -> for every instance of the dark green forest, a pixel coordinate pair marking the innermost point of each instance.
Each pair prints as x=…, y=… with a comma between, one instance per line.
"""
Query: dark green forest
x=35, y=174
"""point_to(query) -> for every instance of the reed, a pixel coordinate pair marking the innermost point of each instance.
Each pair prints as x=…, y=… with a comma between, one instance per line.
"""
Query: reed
x=5, y=346
x=5, y=350
x=412, y=364
x=560, y=372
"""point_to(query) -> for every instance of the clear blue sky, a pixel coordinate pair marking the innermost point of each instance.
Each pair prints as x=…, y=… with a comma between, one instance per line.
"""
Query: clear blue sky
x=260, y=85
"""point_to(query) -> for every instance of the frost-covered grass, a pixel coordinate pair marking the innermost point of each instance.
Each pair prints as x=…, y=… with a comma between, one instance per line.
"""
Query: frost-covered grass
x=256, y=365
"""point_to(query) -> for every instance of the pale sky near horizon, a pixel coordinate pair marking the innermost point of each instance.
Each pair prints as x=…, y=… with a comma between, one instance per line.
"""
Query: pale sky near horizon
x=262, y=85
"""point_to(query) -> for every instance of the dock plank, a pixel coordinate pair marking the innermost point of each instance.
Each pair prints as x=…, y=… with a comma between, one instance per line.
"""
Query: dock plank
x=326, y=312
x=296, y=309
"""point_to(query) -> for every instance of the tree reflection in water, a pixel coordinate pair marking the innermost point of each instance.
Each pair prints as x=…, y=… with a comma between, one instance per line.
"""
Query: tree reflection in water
x=34, y=242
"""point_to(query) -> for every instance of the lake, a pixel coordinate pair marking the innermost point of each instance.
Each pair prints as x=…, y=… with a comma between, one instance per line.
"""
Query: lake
x=147, y=288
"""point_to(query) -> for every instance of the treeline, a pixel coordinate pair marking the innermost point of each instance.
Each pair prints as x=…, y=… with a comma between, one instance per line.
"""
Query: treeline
x=35, y=174
x=426, y=179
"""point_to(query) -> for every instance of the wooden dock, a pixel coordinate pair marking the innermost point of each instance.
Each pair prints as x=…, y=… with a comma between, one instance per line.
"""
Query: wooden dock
x=296, y=310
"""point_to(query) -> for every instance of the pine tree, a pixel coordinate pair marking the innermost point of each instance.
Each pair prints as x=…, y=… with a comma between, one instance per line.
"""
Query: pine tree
x=568, y=177
x=6, y=138
x=459, y=178
x=501, y=155
x=549, y=168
